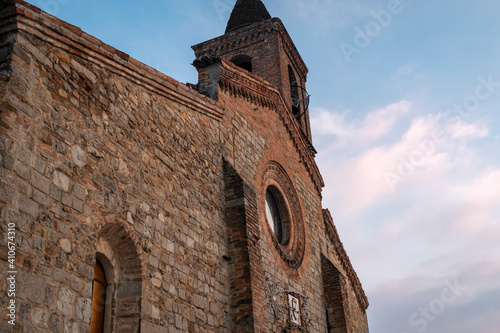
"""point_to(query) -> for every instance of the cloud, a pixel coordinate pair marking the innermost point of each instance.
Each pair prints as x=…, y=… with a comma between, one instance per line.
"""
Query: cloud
x=374, y=126
x=464, y=130
x=375, y=161
x=477, y=202
x=434, y=305
x=405, y=71
x=482, y=190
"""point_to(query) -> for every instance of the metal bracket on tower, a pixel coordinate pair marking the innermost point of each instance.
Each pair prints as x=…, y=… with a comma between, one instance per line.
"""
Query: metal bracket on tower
x=298, y=101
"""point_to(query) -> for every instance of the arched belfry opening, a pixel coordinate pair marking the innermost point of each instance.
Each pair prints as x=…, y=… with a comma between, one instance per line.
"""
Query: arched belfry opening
x=243, y=61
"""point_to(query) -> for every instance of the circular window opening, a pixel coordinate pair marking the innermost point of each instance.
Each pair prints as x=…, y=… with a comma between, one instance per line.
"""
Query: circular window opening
x=277, y=215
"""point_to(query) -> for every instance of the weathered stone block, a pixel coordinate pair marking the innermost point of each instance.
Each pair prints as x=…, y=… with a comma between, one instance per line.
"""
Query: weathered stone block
x=40, y=182
x=83, y=309
x=23, y=155
x=6, y=193
x=76, y=283
x=55, y=322
x=33, y=287
x=24, y=312
x=55, y=192
x=65, y=245
x=78, y=205
x=7, y=161
x=87, y=290
x=70, y=326
x=79, y=192
x=86, y=271
x=50, y=296
x=39, y=165
x=20, y=219
x=78, y=156
x=60, y=275
x=39, y=317
x=65, y=301
x=67, y=199
x=60, y=147
x=22, y=170
x=27, y=205
x=61, y=180
x=41, y=198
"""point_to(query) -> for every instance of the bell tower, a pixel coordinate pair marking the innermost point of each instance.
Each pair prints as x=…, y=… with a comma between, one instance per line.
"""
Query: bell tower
x=261, y=45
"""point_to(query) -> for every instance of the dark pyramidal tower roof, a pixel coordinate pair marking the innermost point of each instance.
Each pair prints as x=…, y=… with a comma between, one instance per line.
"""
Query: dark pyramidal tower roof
x=247, y=12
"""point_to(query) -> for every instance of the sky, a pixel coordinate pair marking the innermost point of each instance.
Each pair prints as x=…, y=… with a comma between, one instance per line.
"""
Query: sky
x=405, y=117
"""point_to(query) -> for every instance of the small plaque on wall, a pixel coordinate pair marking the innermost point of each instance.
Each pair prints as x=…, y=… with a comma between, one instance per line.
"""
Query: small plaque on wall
x=294, y=307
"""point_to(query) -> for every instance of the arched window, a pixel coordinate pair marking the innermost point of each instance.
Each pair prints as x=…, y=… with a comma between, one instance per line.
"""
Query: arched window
x=99, y=287
x=294, y=92
x=243, y=61
x=117, y=284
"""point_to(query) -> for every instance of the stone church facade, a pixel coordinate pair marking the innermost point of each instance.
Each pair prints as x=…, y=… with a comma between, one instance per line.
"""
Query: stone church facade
x=131, y=202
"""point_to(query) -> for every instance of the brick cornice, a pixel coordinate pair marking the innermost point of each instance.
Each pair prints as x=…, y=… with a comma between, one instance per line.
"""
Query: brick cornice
x=251, y=87
x=29, y=19
x=241, y=83
x=334, y=238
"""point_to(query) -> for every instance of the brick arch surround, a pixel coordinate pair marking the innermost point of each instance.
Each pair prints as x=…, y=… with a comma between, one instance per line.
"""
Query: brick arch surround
x=123, y=261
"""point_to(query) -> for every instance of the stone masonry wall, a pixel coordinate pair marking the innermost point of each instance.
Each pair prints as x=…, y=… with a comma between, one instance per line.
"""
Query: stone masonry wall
x=85, y=146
